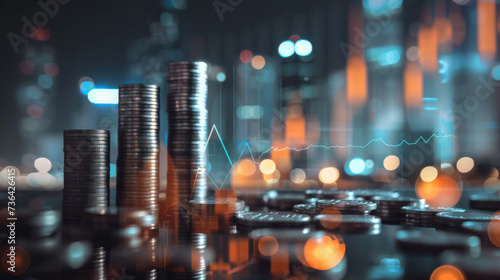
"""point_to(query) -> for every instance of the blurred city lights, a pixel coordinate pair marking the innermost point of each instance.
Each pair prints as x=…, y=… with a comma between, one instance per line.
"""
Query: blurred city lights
x=258, y=62
x=465, y=164
x=267, y=166
x=303, y=47
x=103, y=96
x=369, y=164
x=443, y=191
x=298, y=176
x=357, y=165
x=286, y=49
x=43, y=164
x=329, y=175
x=391, y=162
x=428, y=174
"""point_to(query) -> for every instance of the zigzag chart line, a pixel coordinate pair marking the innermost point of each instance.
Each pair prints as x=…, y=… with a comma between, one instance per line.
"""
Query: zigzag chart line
x=377, y=140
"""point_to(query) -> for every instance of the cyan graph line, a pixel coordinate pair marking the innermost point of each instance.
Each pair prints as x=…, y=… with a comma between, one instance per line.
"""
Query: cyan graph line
x=214, y=128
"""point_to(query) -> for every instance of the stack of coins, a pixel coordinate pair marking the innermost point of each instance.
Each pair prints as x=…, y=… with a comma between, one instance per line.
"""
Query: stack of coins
x=86, y=173
x=485, y=202
x=389, y=208
x=187, y=136
x=137, y=179
x=253, y=220
x=355, y=207
x=358, y=224
x=214, y=215
x=306, y=209
x=330, y=194
x=453, y=220
x=423, y=216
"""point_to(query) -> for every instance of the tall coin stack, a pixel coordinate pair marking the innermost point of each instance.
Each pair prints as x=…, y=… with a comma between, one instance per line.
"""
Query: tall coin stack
x=187, y=135
x=137, y=170
x=86, y=173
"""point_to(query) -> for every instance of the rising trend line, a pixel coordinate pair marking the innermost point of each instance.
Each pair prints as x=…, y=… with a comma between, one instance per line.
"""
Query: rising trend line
x=276, y=149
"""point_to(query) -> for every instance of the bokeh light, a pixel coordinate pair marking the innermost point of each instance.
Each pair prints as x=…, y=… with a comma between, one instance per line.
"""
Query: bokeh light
x=43, y=164
x=221, y=77
x=51, y=69
x=246, y=167
x=494, y=230
x=357, y=165
x=444, y=191
x=324, y=252
x=258, y=62
x=298, y=176
x=391, y=162
x=286, y=49
x=26, y=67
x=85, y=84
x=303, y=47
x=35, y=111
x=267, y=166
x=428, y=173
x=413, y=53
x=447, y=272
x=246, y=56
x=331, y=218
x=268, y=245
x=329, y=175
x=45, y=81
x=22, y=260
x=465, y=164
x=272, y=178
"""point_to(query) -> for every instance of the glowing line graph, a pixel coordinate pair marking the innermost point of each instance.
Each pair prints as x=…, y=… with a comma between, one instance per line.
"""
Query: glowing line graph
x=231, y=162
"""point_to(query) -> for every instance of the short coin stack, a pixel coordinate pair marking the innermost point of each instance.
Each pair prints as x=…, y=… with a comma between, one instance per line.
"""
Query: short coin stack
x=254, y=220
x=453, y=220
x=137, y=170
x=330, y=194
x=389, y=208
x=214, y=215
x=485, y=202
x=86, y=173
x=187, y=135
x=355, y=207
x=423, y=216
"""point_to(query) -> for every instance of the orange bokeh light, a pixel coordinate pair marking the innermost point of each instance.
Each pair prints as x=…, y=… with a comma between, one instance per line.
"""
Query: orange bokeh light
x=22, y=260
x=494, y=230
x=324, y=252
x=332, y=218
x=268, y=245
x=444, y=191
x=356, y=81
x=447, y=272
x=246, y=167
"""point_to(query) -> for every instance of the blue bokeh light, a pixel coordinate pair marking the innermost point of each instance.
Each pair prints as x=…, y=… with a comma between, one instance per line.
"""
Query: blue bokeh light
x=103, y=96
x=303, y=47
x=45, y=81
x=86, y=86
x=286, y=48
x=357, y=165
